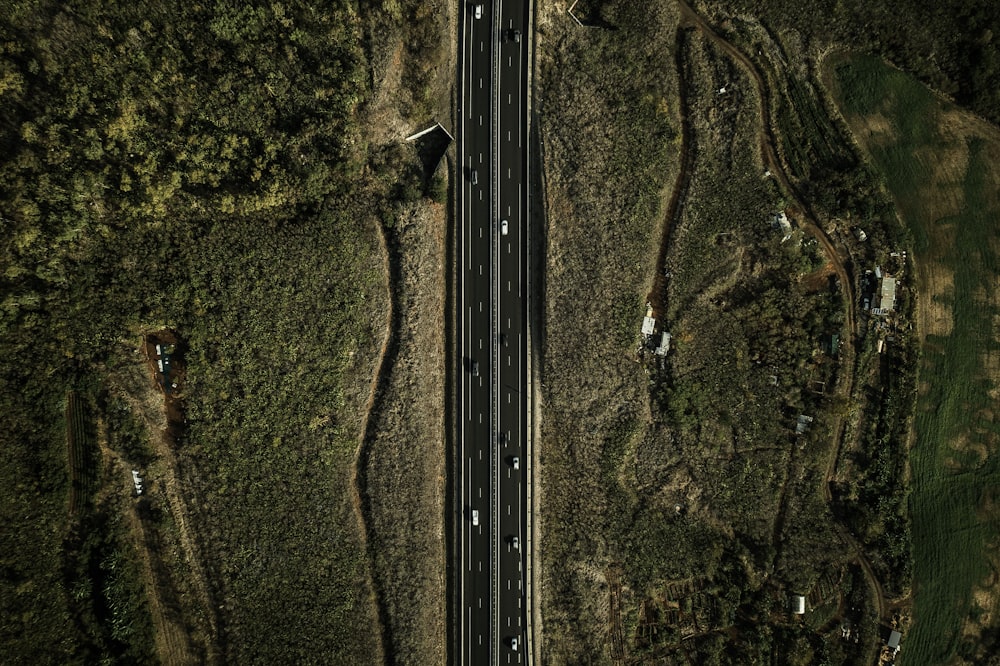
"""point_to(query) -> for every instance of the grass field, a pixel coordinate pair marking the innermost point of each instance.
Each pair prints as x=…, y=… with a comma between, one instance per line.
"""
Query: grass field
x=940, y=166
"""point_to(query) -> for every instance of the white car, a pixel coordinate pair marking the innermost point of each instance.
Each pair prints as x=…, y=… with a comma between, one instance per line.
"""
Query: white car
x=479, y=11
x=513, y=643
x=475, y=517
x=503, y=227
x=514, y=543
x=515, y=462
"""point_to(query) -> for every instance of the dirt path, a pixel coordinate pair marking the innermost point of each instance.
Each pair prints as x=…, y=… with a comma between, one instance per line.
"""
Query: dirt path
x=776, y=167
x=178, y=510
x=364, y=436
x=173, y=644
x=657, y=296
x=171, y=488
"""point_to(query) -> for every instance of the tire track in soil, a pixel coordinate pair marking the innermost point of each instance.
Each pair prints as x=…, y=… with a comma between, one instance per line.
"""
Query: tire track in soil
x=616, y=633
x=172, y=642
x=770, y=156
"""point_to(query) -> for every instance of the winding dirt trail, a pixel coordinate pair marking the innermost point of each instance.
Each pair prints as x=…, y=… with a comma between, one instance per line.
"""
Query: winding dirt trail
x=769, y=154
x=364, y=437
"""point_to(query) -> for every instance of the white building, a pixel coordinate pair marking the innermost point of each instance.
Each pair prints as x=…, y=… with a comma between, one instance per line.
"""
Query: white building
x=648, y=322
x=664, y=345
x=781, y=222
x=886, y=296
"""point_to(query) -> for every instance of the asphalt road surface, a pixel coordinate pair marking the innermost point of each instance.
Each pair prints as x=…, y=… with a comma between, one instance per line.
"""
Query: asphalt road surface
x=512, y=72
x=492, y=342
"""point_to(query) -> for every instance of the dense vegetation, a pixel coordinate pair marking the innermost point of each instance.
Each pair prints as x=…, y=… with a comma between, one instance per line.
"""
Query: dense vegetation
x=202, y=167
x=696, y=508
x=949, y=45
x=837, y=185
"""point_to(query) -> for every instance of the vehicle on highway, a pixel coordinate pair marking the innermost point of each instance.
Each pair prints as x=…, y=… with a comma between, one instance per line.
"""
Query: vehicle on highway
x=513, y=36
x=514, y=543
x=513, y=643
x=474, y=368
x=515, y=462
x=474, y=177
x=503, y=339
x=478, y=11
x=475, y=517
x=503, y=227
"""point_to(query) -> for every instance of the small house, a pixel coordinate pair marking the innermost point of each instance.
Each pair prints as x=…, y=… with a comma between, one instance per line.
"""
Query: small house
x=833, y=344
x=648, y=322
x=780, y=221
x=894, y=638
x=885, y=298
x=664, y=344
x=802, y=424
x=798, y=604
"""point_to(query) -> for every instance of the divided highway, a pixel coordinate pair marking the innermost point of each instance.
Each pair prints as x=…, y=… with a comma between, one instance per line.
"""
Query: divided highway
x=493, y=386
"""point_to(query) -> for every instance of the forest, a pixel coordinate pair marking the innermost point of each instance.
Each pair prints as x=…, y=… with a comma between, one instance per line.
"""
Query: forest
x=204, y=168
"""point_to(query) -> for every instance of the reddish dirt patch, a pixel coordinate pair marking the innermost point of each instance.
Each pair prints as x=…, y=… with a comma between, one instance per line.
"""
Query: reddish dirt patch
x=164, y=351
x=819, y=280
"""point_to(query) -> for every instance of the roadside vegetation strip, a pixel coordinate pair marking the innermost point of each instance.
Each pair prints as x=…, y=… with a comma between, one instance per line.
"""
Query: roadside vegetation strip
x=942, y=167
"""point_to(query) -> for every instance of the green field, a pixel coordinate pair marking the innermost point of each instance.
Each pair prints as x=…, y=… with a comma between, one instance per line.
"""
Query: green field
x=953, y=470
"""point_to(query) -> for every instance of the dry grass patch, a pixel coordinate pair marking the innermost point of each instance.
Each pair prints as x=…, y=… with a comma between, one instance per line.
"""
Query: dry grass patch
x=404, y=462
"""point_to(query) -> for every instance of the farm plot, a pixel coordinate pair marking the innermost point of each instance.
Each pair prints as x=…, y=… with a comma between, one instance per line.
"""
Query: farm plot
x=941, y=166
